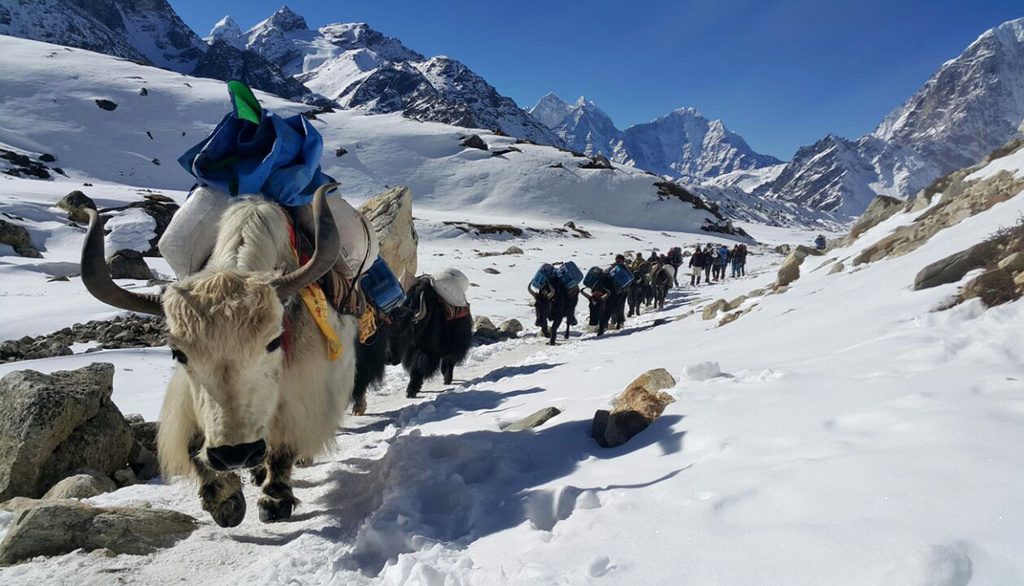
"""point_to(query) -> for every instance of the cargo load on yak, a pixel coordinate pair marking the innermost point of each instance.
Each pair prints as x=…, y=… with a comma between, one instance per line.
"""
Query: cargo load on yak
x=570, y=275
x=620, y=276
x=541, y=277
x=451, y=285
x=255, y=153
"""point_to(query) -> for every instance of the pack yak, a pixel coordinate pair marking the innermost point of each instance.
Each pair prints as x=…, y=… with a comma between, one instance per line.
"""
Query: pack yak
x=553, y=303
x=428, y=334
x=254, y=386
x=662, y=280
x=607, y=304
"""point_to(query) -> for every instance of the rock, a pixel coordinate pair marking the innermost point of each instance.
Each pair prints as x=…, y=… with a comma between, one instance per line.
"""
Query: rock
x=637, y=397
x=952, y=268
x=879, y=210
x=1019, y=280
x=55, y=424
x=143, y=92
x=20, y=503
x=790, y=269
x=654, y=380
x=474, y=142
x=1013, y=263
x=597, y=161
x=735, y=303
x=145, y=434
x=340, y=152
x=125, y=477
x=391, y=215
x=47, y=158
x=85, y=484
x=60, y=527
x=993, y=287
x=18, y=238
x=783, y=249
x=492, y=271
x=712, y=309
x=60, y=279
x=600, y=425
x=143, y=462
x=75, y=204
x=483, y=326
x=837, y=268
x=510, y=327
x=623, y=426
x=514, y=250
x=134, y=418
x=106, y=105
x=535, y=420
x=128, y=264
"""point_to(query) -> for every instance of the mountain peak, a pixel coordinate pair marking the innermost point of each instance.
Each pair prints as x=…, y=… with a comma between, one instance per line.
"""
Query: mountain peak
x=550, y=110
x=688, y=111
x=287, y=20
x=226, y=30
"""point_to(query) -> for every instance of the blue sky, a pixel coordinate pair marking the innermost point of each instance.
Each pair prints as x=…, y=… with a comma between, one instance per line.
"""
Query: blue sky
x=782, y=74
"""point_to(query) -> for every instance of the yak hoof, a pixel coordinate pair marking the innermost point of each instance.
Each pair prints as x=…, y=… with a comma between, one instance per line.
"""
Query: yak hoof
x=230, y=512
x=410, y=394
x=359, y=408
x=447, y=380
x=274, y=510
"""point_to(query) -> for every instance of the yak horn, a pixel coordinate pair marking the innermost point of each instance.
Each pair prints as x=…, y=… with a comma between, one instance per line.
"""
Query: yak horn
x=551, y=293
x=584, y=293
x=529, y=289
x=422, y=311
x=327, y=244
x=96, y=276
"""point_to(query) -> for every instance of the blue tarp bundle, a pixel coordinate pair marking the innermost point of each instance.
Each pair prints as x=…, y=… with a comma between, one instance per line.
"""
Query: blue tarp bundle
x=259, y=153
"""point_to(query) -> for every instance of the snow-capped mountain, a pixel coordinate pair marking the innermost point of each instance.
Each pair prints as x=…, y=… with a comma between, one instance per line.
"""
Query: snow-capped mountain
x=226, y=61
x=971, y=105
x=226, y=30
x=362, y=68
x=682, y=144
x=63, y=23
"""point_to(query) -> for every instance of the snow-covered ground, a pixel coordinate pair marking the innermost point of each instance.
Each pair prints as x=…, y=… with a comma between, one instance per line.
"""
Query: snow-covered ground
x=842, y=432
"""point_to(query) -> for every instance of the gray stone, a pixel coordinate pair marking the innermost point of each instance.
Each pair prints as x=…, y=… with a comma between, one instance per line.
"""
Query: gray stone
x=534, y=420
x=145, y=434
x=623, y=426
x=52, y=425
x=128, y=264
x=837, y=268
x=790, y=269
x=510, y=327
x=712, y=309
x=492, y=271
x=125, y=477
x=85, y=484
x=75, y=204
x=18, y=238
x=60, y=527
x=143, y=462
x=993, y=287
x=1013, y=263
x=514, y=250
x=880, y=209
x=474, y=142
x=107, y=105
x=952, y=268
x=483, y=326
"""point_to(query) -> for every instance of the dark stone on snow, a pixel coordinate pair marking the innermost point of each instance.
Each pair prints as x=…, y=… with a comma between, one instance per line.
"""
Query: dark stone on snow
x=128, y=264
x=473, y=142
x=952, y=268
x=47, y=158
x=340, y=151
x=106, y=105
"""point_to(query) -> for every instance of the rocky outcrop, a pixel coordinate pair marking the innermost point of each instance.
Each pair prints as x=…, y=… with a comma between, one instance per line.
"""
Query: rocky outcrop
x=643, y=401
x=510, y=327
x=60, y=527
x=226, y=62
x=712, y=309
x=879, y=210
x=54, y=424
x=952, y=268
x=790, y=269
x=126, y=331
x=85, y=484
x=391, y=215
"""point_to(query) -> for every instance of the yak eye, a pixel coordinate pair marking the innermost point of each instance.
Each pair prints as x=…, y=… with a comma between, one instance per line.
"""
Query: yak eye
x=274, y=344
x=179, y=356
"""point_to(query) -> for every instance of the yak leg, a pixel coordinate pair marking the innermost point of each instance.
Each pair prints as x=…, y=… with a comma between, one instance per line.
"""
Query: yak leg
x=220, y=493
x=567, y=326
x=447, y=370
x=277, y=501
x=258, y=475
x=415, y=383
x=554, y=330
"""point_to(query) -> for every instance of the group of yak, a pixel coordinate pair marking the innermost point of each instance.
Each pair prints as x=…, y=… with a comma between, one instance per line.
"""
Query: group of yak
x=611, y=290
x=254, y=388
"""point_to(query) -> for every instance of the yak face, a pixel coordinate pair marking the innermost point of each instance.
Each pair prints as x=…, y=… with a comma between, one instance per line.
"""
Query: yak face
x=226, y=332
x=407, y=320
x=598, y=305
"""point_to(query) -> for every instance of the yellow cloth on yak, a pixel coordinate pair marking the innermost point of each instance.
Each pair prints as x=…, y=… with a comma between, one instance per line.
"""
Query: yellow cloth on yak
x=316, y=302
x=367, y=325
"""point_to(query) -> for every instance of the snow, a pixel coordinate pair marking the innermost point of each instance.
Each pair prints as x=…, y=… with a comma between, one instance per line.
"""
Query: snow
x=840, y=433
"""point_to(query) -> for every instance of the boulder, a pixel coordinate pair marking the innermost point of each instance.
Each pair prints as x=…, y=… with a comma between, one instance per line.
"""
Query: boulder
x=952, y=268
x=128, y=264
x=880, y=209
x=790, y=269
x=391, y=215
x=1013, y=263
x=60, y=527
x=514, y=250
x=143, y=462
x=492, y=271
x=52, y=425
x=483, y=326
x=530, y=421
x=106, y=105
x=837, y=268
x=473, y=142
x=634, y=409
x=993, y=287
x=75, y=204
x=85, y=484
x=510, y=327
x=735, y=303
x=18, y=238
x=145, y=434
x=711, y=310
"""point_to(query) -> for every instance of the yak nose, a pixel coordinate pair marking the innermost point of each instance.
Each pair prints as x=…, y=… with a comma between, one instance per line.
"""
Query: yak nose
x=225, y=458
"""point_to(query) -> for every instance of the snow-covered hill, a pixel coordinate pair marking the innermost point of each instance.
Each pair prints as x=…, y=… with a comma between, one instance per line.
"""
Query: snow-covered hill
x=972, y=105
x=363, y=69
x=48, y=104
x=682, y=144
x=840, y=431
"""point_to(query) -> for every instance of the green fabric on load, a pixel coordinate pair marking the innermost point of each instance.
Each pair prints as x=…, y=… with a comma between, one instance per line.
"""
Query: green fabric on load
x=247, y=107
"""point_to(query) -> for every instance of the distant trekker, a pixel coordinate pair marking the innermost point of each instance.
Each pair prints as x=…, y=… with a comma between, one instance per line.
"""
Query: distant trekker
x=697, y=264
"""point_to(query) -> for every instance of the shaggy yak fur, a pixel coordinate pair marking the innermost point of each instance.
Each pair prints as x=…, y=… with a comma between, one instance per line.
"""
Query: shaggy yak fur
x=607, y=304
x=553, y=303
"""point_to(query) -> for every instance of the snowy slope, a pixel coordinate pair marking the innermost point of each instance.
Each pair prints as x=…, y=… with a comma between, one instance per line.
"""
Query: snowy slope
x=47, y=104
x=843, y=434
x=971, y=105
